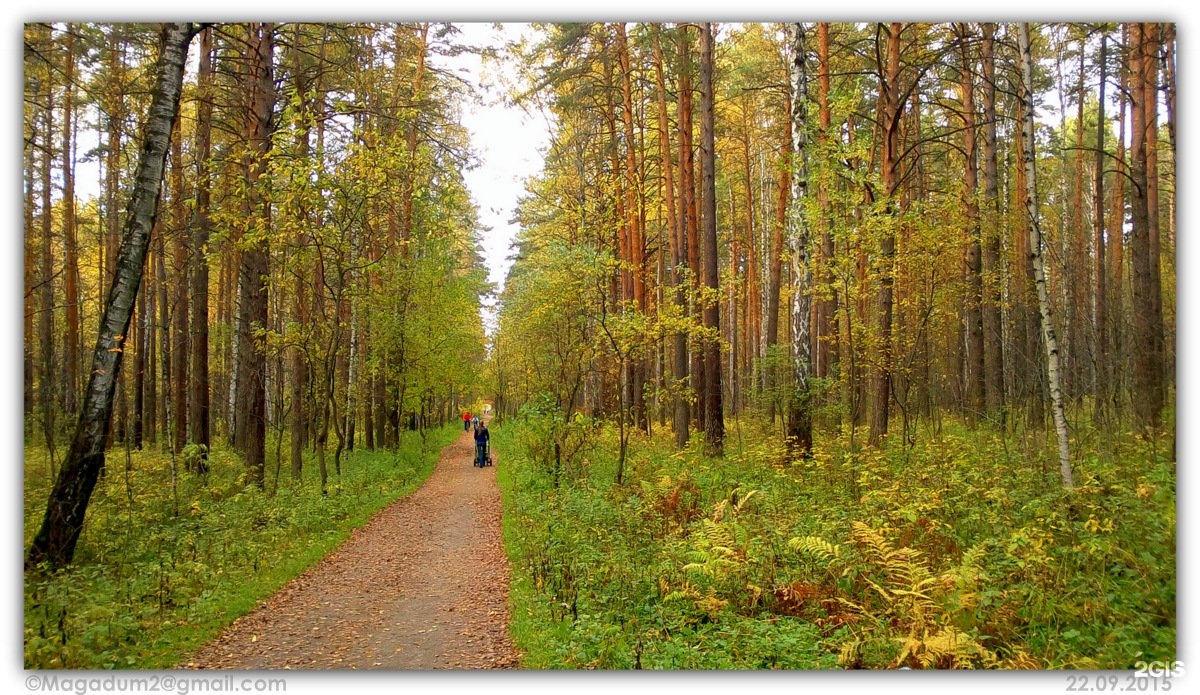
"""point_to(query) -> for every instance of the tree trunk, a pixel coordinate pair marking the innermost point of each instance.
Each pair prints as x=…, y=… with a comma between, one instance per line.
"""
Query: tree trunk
x=115, y=111
x=893, y=109
x=775, y=276
x=1099, y=285
x=1168, y=44
x=181, y=262
x=31, y=277
x=1146, y=340
x=160, y=330
x=826, y=341
x=254, y=267
x=974, y=257
x=54, y=543
x=143, y=328
x=677, y=239
x=1029, y=385
x=799, y=410
x=48, y=381
x=714, y=419
x=1116, y=251
x=1035, y=253
x=1076, y=278
x=635, y=243
x=301, y=287
x=688, y=213
x=71, y=350
x=993, y=345
x=199, y=416
x=1151, y=36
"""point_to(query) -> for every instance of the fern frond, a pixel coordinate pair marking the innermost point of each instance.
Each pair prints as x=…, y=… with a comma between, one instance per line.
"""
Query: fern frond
x=741, y=504
x=719, y=511
x=817, y=548
x=948, y=647
x=873, y=541
x=887, y=596
x=849, y=653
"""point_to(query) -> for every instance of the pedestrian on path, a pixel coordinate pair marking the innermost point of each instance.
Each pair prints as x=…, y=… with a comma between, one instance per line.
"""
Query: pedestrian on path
x=482, y=436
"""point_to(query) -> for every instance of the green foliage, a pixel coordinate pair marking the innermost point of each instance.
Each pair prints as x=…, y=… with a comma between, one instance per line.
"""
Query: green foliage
x=557, y=442
x=162, y=567
x=955, y=553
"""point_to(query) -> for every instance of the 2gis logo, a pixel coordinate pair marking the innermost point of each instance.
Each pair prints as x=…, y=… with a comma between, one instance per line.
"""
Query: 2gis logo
x=1158, y=669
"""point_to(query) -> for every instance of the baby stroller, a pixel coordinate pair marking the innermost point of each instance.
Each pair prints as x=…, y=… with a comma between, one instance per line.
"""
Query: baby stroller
x=483, y=455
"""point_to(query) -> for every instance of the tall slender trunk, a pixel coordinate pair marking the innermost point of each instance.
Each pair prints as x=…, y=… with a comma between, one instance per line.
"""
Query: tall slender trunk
x=142, y=326
x=1024, y=292
x=1116, y=234
x=199, y=415
x=993, y=345
x=783, y=188
x=826, y=332
x=31, y=274
x=893, y=110
x=1035, y=253
x=635, y=241
x=1151, y=36
x=161, y=329
x=677, y=239
x=71, y=350
x=1148, y=394
x=1076, y=278
x=254, y=266
x=181, y=262
x=688, y=208
x=1168, y=45
x=1099, y=285
x=975, y=376
x=115, y=112
x=300, y=287
x=48, y=381
x=799, y=411
x=714, y=418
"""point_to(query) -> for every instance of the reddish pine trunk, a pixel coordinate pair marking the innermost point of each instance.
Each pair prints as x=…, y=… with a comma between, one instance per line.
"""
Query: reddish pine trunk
x=253, y=270
x=893, y=109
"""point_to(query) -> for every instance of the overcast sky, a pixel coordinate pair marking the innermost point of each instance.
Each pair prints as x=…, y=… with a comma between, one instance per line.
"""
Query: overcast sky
x=508, y=141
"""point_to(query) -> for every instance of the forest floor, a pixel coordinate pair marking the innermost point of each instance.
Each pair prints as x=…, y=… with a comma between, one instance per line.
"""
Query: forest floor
x=423, y=585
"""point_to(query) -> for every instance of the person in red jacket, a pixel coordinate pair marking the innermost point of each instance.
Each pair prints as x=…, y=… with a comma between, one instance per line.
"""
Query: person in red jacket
x=466, y=421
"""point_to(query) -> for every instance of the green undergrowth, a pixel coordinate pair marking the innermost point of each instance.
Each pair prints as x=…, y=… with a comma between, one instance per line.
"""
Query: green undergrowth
x=962, y=551
x=162, y=567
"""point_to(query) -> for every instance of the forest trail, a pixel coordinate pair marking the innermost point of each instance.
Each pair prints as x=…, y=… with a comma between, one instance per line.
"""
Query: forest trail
x=422, y=585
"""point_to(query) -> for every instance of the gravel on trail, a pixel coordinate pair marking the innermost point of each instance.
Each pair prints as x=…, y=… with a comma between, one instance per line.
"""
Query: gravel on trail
x=422, y=585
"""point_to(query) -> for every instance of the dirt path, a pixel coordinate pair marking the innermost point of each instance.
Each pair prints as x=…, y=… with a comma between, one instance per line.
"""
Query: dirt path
x=423, y=585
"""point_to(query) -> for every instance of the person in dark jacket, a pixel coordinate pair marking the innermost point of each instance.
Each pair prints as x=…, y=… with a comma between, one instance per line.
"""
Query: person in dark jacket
x=482, y=436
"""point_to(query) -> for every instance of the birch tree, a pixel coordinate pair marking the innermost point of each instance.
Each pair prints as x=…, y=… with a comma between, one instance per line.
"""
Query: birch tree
x=1053, y=371
x=55, y=541
x=799, y=411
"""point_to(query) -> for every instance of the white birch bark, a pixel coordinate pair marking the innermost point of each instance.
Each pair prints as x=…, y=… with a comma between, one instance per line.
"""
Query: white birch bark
x=1039, y=263
x=799, y=418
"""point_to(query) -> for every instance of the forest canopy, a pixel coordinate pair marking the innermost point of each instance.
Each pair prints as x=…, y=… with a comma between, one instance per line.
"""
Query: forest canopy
x=913, y=283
